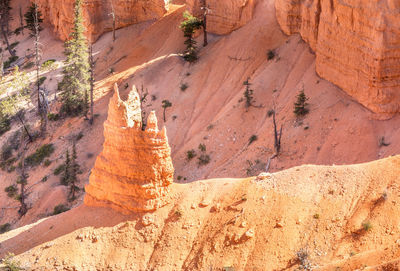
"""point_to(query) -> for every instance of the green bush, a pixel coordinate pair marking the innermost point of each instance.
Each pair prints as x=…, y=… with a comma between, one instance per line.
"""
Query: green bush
x=202, y=147
x=13, y=45
x=48, y=64
x=5, y=228
x=367, y=226
x=53, y=117
x=60, y=208
x=184, y=86
x=6, y=152
x=5, y=125
x=41, y=80
x=40, y=154
x=204, y=159
x=252, y=139
x=57, y=171
x=11, y=59
x=190, y=154
x=29, y=65
x=270, y=54
x=11, y=191
x=10, y=264
x=46, y=162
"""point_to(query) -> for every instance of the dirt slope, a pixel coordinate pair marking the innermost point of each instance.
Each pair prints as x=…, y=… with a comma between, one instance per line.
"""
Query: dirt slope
x=249, y=224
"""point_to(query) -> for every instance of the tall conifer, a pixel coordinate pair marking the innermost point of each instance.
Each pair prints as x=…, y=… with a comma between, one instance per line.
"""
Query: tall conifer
x=76, y=82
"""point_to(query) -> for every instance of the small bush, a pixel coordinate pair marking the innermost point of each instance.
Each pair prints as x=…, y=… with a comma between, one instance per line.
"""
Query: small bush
x=29, y=65
x=60, y=208
x=46, y=163
x=48, y=64
x=5, y=125
x=202, y=147
x=40, y=154
x=6, y=152
x=316, y=216
x=13, y=45
x=44, y=179
x=41, y=80
x=270, y=112
x=204, y=159
x=11, y=191
x=252, y=139
x=111, y=70
x=79, y=136
x=53, y=117
x=57, y=171
x=270, y=54
x=10, y=264
x=367, y=226
x=5, y=228
x=302, y=256
x=184, y=86
x=190, y=154
x=7, y=63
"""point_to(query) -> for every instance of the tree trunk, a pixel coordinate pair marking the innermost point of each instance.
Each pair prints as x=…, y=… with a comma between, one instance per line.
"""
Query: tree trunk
x=164, y=113
x=21, y=20
x=23, y=208
x=91, y=84
x=205, y=28
x=5, y=36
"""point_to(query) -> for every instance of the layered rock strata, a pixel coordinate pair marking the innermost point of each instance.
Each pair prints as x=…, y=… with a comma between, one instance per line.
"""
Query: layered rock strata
x=98, y=14
x=357, y=45
x=134, y=170
x=223, y=16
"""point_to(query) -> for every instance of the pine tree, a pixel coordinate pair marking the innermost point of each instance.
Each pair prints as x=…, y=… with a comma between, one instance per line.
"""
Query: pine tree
x=248, y=94
x=66, y=176
x=5, y=18
x=300, y=106
x=165, y=105
x=73, y=188
x=76, y=82
x=30, y=18
x=189, y=25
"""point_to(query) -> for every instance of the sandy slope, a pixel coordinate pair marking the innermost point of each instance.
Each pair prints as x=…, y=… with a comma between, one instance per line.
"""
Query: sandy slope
x=317, y=208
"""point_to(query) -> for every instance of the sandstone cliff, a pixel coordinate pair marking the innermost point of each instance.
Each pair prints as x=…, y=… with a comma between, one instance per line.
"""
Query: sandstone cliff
x=59, y=14
x=134, y=170
x=224, y=16
x=357, y=45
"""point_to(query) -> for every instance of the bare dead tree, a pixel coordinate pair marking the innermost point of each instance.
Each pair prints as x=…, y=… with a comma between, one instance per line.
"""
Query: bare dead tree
x=277, y=141
x=4, y=24
x=41, y=95
x=91, y=63
x=21, y=20
x=23, y=180
x=206, y=11
x=112, y=14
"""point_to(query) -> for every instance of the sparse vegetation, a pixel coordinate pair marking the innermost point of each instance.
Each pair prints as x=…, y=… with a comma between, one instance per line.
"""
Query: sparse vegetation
x=53, y=117
x=270, y=54
x=301, y=105
x=252, y=139
x=204, y=159
x=10, y=264
x=29, y=65
x=202, y=147
x=5, y=228
x=316, y=216
x=7, y=64
x=40, y=154
x=183, y=86
x=48, y=64
x=367, y=226
x=303, y=258
x=57, y=171
x=190, y=154
x=382, y=142
x=41, y=80
x=30, y=18
x=60, y=208
x=11, y=191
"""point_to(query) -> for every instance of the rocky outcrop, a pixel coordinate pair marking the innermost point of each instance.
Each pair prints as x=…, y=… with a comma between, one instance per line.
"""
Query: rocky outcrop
x=97, y=13
x=134, y=170
x=357, y=45
x=224, y=16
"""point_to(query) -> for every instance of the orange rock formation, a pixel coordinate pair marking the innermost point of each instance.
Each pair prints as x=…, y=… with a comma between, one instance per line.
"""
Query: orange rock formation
x=98, y=14
x=357, y=45
x=224, y=16
x=134, y=170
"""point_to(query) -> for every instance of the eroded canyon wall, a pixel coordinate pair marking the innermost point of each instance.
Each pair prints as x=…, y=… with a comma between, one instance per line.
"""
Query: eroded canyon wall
x=357, y=45
x=98, y=19
x=134, y=170
x=223, y=16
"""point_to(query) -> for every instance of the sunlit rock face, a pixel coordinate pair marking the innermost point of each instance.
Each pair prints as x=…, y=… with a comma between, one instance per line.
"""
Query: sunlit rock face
x=357, y=45
x=134, y=170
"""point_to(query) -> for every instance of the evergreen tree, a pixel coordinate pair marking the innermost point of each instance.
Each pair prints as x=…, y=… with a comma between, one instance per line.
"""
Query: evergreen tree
x=66, y=176
x=248, y=94
x=30, y=18
x=73, y=188
x=165, y=105
x=189, y=26
x=5, y=18
x=300, y=106
x=76, y=82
